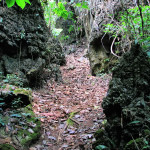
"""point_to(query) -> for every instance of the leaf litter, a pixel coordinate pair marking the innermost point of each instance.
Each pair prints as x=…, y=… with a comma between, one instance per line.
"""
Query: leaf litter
x=71, y=111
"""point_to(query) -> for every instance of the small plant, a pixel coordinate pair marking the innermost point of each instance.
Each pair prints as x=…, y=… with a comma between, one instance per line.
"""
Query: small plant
x=16, y=103
x=71, y=28
x=64, y=37
x=70, y=120
x=100, y=73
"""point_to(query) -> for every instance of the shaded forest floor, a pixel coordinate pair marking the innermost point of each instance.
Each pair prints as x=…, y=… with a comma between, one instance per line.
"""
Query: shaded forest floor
x=71, y=111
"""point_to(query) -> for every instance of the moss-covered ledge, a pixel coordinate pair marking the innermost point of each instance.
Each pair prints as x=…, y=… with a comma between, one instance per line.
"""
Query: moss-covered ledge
x=23, y=128
x=18, y=122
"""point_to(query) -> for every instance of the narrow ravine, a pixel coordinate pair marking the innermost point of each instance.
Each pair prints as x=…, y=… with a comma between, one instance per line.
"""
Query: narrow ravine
x=71, y=111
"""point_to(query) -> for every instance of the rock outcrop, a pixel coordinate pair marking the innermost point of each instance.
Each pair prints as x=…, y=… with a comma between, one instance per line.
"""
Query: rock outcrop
x=26, y=45
x=99, y=42
x=127, y=104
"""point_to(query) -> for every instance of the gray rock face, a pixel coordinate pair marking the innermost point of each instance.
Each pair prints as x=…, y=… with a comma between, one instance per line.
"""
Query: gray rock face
x=99, y=43
x=99, y=55
x=26, y=45
x=126, y=105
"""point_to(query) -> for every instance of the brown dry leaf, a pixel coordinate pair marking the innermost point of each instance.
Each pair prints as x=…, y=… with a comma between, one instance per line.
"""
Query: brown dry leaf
x=6, y=140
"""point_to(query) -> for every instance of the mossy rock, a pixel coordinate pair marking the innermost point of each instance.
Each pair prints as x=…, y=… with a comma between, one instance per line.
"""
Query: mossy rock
x=32, y=135
x=6, y=147
x=14, y=97
x=99, y=133
x=25, y=127
x=126, y=105
x=22, y=91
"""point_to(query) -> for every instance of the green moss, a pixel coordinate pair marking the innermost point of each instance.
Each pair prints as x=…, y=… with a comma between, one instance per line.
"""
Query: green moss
x=24, y=92
x=99, y=133
x=29, y=137
x=6, y=147
x=28, y=132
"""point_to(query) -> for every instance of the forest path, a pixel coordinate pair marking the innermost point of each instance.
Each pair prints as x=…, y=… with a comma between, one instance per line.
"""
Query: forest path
x=71, y=111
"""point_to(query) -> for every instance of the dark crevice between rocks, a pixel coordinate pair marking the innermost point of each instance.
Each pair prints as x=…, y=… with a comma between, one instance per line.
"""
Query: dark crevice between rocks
x=13, y=101
x=104, y=42
x=100, y=56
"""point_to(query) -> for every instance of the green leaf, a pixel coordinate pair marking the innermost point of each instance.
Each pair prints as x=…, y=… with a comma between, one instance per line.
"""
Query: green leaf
x=100, y=147
x=27, y=1
x=78, y=4
x=21, y=3
x=84, y=5
x=1, y=104
x=10, y=3
x=148, y=53
x=26, y=114
x=16, y=115
x=134, y=122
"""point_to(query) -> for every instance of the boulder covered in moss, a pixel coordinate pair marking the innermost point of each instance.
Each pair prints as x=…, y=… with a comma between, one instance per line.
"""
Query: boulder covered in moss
x=19, y=127
x=26, y=44
x=6, y=147
x=127, y=104
x=14, y=97
x=23, y=129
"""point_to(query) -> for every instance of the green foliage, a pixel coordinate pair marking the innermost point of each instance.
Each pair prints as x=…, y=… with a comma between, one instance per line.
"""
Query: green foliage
x=1, y=121
x=132, y=27
x=53, y=10
x=12, y=79
x=16, y=103
x=71, y=28
x=61, y=11
x=139, y=143
x=20, y=3
x=83, y=5
x=64, y=37
x=142, y=142
x=6, y=147
x=69, y=120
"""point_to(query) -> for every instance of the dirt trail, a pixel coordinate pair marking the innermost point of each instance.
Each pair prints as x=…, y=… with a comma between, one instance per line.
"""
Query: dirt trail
x=71, y=111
